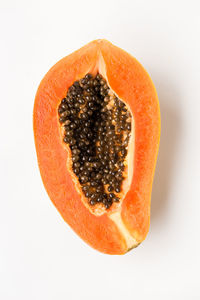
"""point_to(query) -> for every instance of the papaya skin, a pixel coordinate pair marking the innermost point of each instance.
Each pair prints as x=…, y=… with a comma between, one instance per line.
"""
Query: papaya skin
x=114, y=232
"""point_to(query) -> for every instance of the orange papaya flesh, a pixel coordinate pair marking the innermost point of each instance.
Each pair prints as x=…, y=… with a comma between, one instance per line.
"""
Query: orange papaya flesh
x=125, y=224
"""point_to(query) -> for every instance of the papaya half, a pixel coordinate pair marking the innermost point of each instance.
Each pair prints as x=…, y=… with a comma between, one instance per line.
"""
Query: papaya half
x=97, y=128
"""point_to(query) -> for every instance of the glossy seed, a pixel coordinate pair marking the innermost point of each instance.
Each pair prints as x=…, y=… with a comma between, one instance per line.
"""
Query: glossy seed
x=128, y=126
x=66, y=139
x=85, y=188
x=110, y=188
x=111, y=195
x=76, y=151
x=76, y=170
x=93, y=183
x=84, y=179
x=117, y=189
x=87, y=194
x=108, y=205
x=75, y=158
x=92, y=202
x=77, y=164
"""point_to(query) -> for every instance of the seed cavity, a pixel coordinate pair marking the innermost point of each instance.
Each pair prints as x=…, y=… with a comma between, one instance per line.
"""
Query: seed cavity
x=97, y=127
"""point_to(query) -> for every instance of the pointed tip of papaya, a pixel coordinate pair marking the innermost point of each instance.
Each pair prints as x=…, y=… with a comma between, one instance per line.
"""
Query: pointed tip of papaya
x=99, y=42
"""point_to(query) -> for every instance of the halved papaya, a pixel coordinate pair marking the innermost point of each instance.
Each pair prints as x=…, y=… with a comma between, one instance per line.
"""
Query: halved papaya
x=97, y=130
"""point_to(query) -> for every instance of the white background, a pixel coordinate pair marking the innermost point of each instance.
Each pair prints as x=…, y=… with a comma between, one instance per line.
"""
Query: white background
x=40, y=256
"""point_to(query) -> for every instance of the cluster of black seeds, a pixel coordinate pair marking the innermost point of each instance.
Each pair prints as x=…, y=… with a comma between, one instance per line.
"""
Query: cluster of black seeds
x=97, y=129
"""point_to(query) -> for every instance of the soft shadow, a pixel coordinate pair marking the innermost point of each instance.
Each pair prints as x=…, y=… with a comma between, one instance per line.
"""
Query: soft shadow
x=168, y=151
